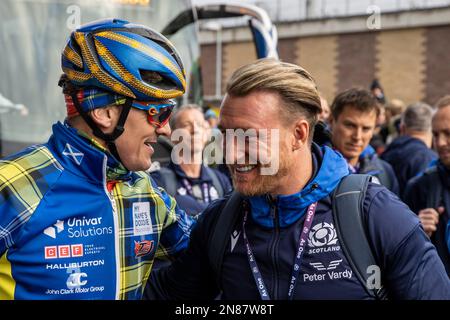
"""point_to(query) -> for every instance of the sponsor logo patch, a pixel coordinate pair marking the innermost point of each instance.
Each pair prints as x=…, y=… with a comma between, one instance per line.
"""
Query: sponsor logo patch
x=331, y=266
x=63, y=251
x=142, y=248
x=142, y=222
x=54, y=229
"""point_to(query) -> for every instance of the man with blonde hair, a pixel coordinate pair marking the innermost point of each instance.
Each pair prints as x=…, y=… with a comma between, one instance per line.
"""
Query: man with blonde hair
x=280, y=239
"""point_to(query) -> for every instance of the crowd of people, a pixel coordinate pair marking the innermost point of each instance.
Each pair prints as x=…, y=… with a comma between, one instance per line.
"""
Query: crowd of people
x=358, y=207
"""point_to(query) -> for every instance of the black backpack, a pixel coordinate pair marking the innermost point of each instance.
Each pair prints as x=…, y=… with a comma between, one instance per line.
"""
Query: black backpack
x=350, y=223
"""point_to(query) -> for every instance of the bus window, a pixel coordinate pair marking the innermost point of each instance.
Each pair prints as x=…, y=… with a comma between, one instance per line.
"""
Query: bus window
x=32, y=35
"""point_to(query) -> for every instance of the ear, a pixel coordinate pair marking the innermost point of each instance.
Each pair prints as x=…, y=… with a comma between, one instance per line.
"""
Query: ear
x=331, y=121
x=301, y=134
x=402, y=129
x=105, y=118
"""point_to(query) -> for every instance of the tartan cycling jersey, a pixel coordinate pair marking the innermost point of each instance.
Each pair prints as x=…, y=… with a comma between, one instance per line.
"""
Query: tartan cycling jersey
x=76, y=225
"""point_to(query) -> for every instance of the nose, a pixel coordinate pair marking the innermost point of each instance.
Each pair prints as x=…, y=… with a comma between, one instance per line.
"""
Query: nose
x=440, y=141
x=234, y=150
x=164, y=131
x=357, y=134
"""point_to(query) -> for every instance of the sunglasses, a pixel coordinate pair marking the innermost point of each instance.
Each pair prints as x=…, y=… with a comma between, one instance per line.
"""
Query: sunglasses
x=158, y=114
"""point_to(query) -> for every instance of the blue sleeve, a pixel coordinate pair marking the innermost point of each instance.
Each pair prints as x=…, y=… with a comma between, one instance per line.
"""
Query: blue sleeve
x=191, y=275
x=411, y=267
x=176, y=226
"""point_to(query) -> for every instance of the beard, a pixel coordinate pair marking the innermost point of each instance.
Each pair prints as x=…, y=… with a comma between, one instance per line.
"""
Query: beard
x=259, y=184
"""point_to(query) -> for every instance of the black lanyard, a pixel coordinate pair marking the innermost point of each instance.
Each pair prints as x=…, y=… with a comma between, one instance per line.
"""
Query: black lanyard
x=205, y=192
x=298, y=257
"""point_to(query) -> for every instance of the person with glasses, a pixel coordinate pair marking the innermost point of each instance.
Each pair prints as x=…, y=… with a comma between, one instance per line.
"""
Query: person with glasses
x=79, y=216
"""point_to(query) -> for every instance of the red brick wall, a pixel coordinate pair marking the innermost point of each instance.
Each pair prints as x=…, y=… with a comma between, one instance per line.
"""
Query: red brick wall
x=208, y=67
x=287, y=50
x=411, y=64
x=356, y=60
x=437, y=80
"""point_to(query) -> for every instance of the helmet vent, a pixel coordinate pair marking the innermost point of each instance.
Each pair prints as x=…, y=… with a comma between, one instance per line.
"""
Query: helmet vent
x=156, y=80
x=151, y=77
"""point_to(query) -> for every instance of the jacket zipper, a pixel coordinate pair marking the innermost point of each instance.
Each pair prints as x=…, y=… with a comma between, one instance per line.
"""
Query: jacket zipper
x=116, y=228
x=273, y=249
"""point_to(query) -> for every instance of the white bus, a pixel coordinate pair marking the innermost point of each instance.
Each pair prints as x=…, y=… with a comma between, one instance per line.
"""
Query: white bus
x=32, y=35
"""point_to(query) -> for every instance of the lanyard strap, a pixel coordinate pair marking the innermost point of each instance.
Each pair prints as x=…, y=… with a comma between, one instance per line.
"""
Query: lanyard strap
x=298, y=257
x=205, y=192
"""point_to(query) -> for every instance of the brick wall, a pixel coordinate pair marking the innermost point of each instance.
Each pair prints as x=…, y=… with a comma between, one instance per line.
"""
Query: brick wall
x=411, y=64
x=356, y=60
x=437, y=80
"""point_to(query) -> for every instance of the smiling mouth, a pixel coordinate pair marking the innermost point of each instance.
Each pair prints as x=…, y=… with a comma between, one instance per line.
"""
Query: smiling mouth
x=148, y=144
x=245, y=169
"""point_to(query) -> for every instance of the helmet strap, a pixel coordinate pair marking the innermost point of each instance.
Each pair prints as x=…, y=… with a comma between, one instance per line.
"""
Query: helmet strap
x=109, y=138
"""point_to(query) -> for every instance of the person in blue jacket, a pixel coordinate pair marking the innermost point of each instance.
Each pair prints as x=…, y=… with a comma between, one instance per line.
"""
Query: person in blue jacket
x=353, y=119
x=193, y=184
x=411, y=153
x=284, y=244
x=79, y=216
x=428, y=195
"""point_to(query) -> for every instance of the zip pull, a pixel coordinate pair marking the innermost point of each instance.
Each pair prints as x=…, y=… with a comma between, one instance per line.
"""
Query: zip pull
x=273, y=208
x=313, y=187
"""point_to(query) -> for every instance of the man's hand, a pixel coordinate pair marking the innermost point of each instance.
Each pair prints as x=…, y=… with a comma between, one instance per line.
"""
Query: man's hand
x=429, y=218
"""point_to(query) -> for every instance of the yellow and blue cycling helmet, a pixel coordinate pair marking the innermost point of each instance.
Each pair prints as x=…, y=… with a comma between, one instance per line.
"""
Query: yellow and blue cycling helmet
x=113, y=61
x=131, y=60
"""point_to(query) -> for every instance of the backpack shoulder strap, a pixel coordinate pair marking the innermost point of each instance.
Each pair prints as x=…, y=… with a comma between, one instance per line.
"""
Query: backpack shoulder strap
x=377, y=168
x=351, y=226
x=215, y=181
x=219, y=236
x=169, y=179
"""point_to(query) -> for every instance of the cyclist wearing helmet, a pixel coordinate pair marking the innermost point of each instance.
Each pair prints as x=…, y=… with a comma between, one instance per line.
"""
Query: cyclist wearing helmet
x=79, y=217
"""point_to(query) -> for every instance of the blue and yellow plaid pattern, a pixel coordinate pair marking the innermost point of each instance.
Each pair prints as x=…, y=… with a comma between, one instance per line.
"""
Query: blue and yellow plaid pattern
x=36, y=183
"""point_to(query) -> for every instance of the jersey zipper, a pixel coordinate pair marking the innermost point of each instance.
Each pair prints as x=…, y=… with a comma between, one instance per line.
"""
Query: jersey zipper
x=110, y=195
x=274, y=249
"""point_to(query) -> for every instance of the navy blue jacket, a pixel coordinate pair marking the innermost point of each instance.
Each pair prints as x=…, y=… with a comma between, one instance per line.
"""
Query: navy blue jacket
x=408, y=157
x=370, y=163
x=196, y=201
x=410, y=266
x=418, y=194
